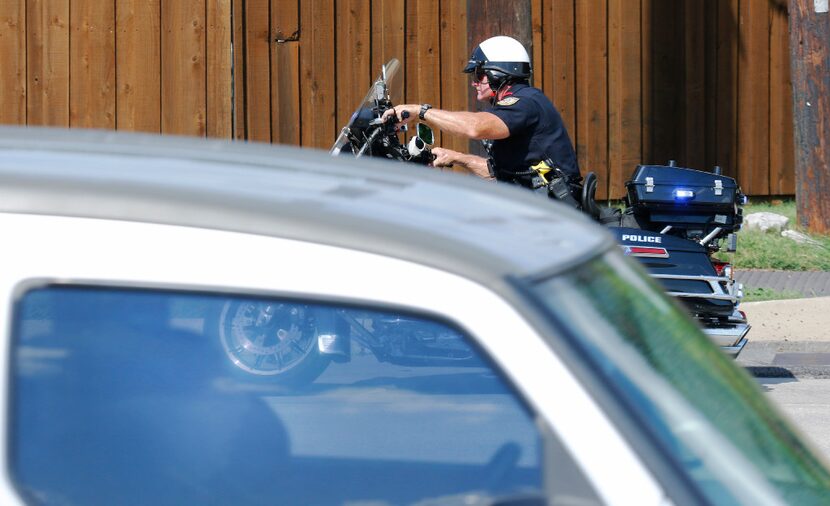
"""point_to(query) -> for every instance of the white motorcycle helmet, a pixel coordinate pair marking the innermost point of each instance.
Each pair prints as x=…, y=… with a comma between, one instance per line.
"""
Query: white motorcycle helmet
x=501, y=59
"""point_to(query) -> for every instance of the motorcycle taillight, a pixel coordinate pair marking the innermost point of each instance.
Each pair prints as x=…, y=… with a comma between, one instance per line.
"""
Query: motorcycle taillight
x=722, y=268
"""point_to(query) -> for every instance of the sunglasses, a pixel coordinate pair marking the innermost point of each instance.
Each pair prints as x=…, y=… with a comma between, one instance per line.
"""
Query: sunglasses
x=479, y=73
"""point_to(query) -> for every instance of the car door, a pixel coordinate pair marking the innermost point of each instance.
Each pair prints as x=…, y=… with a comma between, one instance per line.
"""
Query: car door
x=121, y=390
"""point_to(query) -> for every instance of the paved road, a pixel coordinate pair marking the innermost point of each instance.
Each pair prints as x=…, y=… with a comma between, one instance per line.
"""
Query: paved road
x=789, y=349
x=807, y=403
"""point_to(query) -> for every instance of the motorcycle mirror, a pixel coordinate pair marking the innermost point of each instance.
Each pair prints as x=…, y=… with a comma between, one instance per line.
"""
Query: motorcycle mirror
x=425, y=133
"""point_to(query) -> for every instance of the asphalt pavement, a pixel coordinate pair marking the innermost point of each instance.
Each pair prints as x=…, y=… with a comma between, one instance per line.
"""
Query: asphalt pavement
x=789, y=338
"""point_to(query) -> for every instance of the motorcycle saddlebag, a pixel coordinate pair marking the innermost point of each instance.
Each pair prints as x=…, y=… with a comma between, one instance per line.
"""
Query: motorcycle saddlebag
x=686, y=198
x=684, y=269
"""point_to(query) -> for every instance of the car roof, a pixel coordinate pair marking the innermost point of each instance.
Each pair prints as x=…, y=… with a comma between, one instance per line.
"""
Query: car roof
x=451, y=221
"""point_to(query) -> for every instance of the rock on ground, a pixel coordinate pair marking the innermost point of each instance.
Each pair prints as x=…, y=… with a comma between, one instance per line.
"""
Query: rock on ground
x=764, y=221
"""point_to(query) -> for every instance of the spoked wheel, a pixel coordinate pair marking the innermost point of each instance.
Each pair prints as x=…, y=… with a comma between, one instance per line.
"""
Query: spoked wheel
x=272, y=340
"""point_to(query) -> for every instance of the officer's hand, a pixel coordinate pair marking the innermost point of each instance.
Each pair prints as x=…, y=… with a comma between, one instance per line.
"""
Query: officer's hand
x=444, y=157
x=397, y=113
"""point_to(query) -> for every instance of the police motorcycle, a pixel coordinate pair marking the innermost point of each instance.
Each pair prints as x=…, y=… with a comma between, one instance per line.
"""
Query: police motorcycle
x=674, y=221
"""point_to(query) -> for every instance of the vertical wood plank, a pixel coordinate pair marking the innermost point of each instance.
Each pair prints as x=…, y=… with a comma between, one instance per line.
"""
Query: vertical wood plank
x=624, y=135
x=782, y=141
x=13, y=56
x=354, y=44
x=388, y=18
x=753, y=98
x=563, y=65
x=183, y=79
x=258, y=70
x=558, y=48
x=710, y=52
x=666, y=80
x=317, y=71
x=92, y=93
x=219, y=82
x=240, y=106
x=47, y=42
x=693, y=152
x=647, y=79
x=422, y=53
x=592, y=97
x=726, y=137
x=488, y=18
x=138, y=65
x=537, y=36
x=455, y=85
x=285, y=72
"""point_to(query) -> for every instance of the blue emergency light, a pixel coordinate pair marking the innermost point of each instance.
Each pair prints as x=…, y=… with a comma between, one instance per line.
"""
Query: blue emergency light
x=683, y=194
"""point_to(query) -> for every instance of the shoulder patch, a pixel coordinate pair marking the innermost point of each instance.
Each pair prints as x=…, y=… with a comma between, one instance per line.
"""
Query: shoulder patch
x=508, y=101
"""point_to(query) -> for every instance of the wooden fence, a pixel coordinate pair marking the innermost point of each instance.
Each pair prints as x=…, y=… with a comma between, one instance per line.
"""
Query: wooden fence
x=703, y=82
x=142, y=65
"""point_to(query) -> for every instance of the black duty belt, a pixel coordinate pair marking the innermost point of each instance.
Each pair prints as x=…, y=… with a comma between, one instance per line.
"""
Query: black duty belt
x=557, y=183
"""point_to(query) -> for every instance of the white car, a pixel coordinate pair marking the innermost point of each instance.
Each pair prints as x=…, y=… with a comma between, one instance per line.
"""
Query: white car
x=200, y=322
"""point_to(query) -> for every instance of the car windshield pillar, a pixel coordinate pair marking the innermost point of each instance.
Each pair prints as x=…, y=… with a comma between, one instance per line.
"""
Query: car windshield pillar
x=697, y=407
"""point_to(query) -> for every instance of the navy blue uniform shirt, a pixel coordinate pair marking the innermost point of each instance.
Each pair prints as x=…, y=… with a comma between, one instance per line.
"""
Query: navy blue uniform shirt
x=536, y=132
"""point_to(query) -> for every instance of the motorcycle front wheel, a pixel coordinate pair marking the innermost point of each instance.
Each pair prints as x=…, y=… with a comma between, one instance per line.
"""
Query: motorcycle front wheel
x=276, y=342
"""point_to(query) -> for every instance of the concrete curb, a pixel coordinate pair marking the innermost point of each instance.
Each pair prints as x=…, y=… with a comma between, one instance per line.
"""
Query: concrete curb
x=808, y=284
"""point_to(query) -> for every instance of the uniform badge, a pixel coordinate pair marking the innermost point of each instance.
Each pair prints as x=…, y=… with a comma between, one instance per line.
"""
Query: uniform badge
x=508, y=101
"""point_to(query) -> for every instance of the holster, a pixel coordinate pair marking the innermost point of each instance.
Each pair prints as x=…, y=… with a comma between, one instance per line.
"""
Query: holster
x=560, y=189
x=560, y=186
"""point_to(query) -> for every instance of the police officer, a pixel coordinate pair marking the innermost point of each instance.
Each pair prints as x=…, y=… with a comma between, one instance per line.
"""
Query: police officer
x=528, y=143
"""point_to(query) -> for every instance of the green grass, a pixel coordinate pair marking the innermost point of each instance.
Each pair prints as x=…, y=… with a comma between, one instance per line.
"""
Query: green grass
x=768, y=250
x=762, y=294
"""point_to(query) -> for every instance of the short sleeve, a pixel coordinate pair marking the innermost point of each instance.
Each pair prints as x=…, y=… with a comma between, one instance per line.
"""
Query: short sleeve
x=518, y=113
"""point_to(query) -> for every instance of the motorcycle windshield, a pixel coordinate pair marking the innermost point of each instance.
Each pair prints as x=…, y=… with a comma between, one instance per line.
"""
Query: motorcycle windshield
x=388, y=87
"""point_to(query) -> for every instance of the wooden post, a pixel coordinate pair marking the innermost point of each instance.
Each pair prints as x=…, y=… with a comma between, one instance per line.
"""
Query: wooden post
x=488, y=18
x=810, y=58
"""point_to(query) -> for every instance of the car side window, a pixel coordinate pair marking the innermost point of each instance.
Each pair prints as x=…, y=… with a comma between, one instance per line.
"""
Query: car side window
x=162, y=397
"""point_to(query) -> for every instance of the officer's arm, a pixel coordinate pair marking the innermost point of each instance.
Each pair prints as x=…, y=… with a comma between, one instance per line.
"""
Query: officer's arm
x=472, y=163
x=473, y=125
